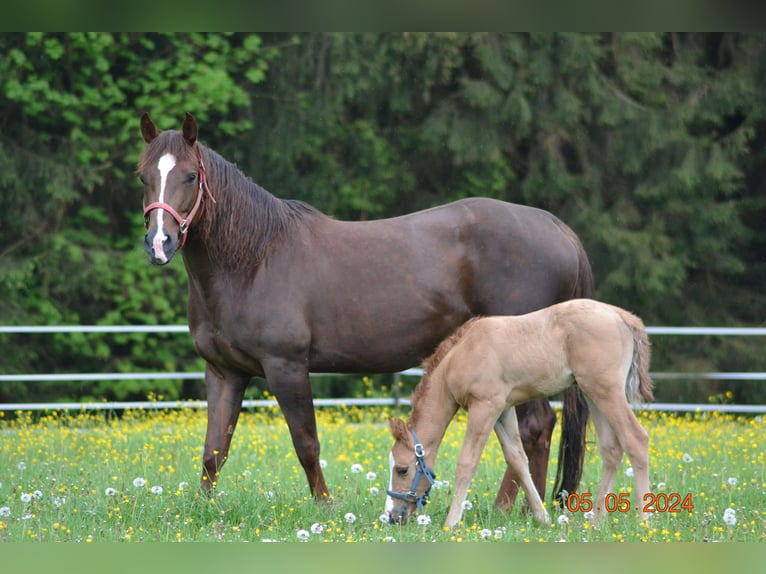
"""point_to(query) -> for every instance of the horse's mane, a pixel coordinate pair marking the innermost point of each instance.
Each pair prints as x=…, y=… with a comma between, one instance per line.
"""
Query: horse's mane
x=430, y=364
x=245, y=219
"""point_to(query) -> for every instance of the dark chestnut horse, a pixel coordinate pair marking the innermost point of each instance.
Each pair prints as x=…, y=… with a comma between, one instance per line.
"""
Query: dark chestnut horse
x=278, y=289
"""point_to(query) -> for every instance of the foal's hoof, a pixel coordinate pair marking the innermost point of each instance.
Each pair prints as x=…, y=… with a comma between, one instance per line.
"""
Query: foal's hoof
x=543, y=518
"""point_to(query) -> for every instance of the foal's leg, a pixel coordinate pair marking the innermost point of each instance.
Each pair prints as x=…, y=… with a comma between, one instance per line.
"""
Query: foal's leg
x=507, y=430
x=225, y=391
x=611, y=455
x=481, y=417
x=536, y=421
x=624, y=434
x=289, y=381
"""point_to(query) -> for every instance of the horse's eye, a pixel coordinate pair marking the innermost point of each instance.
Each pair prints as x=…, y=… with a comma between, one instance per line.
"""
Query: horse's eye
x=142, y=178
x=402, y=471
x=191, y=177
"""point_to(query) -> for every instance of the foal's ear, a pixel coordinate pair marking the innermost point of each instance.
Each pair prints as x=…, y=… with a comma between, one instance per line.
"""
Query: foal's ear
x=189, y=129
x=148, y=129
x=398, y=428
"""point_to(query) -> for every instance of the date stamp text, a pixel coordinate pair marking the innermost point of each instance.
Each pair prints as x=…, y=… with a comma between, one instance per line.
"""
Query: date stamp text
x=660, y=502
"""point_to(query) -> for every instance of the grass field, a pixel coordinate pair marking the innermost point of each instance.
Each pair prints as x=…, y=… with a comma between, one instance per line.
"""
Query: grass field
x=89, y=477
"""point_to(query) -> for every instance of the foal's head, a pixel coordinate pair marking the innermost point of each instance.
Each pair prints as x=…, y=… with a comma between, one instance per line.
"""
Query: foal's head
x=173, y=176
x=411, y=479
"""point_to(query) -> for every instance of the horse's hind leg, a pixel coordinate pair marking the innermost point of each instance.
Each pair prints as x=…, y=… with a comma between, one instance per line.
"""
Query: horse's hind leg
x=619, y=431
x=536, y=421
x=611, y=455
x=507, y=430
x=290, y=384
x=224, y=403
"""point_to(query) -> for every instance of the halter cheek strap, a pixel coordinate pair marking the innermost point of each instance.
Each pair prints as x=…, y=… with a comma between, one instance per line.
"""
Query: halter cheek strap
x=185, y=222
x=421, y=470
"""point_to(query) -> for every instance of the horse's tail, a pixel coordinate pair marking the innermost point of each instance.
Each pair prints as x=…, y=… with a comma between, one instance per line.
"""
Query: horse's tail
x=638, y=384
x=575, y=411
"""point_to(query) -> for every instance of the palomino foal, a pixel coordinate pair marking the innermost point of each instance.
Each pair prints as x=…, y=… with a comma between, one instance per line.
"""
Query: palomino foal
x=493, y=363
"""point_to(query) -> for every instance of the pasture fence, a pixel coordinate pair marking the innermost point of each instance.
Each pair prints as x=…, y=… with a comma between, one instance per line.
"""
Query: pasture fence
x=323, y=402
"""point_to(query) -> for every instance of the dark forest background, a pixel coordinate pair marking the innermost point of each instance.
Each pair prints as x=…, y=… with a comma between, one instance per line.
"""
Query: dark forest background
x=652, y=146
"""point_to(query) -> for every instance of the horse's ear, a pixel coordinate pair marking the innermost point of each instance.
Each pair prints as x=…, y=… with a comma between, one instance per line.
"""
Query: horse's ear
x=148, y=129
x=190, y=129
x=398, y=429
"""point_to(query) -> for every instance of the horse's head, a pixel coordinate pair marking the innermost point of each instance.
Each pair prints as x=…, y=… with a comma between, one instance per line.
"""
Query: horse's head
x=173, y=176
x=411, y=479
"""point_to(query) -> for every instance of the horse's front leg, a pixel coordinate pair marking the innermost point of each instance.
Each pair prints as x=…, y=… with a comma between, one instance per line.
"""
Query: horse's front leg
x=536, y=423
x=507, y=430
x=225, y=391
x=289, y=382
x=481, y=419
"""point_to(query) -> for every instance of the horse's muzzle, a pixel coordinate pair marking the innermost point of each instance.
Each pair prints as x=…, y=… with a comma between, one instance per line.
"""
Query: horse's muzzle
x=159, y=247
x=399, y=514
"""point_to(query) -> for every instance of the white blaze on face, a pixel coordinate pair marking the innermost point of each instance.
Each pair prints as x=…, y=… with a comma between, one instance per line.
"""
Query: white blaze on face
x=167, y=162
x=389, y=500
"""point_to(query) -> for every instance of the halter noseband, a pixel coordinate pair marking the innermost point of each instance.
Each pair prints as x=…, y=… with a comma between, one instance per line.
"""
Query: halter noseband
x=184, y=223
x=421, y=469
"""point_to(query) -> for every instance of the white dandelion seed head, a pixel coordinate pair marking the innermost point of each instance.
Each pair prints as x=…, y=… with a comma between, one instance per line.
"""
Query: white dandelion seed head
x=356, y=468
x=661, y=486
x=5, y=512
x=139, y=482
x=322, y=463
x=424, y=519
x=486, y=533
x=687, y=458
x=350, y=517
x=109, y=491
x=439, y=484
x=22, y=465
x=183, y=485
x=467, y=505
x=37, y=495
x=383, y=518
x=371, y=476
x=389, y=539
x=269, y=494
x=499, y=532
x=629, y=471
x=59, y=501
x=732, y=480
x=563, y=519
x=374, y=490
x=730, y=517
x=26, y=516
x=302, y=535
x=157, y=489
x=590, y=515
x=317, y=528
x=26, y=497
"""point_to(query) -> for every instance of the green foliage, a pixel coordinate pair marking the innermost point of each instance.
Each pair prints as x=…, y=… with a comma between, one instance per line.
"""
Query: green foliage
x=652, y=146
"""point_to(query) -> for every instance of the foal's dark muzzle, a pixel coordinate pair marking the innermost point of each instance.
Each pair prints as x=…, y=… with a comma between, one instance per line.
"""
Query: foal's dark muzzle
x=399, y=514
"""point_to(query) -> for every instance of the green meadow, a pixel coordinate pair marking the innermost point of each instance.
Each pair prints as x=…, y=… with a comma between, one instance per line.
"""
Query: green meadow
x=93, y=477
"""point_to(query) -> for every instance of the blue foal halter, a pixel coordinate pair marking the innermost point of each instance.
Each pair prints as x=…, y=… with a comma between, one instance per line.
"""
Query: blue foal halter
x=421, y=469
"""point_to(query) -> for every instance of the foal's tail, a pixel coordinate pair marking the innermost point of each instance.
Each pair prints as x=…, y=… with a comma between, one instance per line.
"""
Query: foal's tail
x=575, y=412
x=638, y=384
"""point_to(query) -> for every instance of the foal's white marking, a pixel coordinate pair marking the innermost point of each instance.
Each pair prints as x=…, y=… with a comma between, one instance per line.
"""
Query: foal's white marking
x=390, y=501
x=167, y=162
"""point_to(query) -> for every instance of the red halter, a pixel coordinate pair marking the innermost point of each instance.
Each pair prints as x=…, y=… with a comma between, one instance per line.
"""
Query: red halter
x=184, y=223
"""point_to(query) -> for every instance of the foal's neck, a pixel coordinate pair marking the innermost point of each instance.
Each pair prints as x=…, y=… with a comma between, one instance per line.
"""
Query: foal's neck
x=433, y=408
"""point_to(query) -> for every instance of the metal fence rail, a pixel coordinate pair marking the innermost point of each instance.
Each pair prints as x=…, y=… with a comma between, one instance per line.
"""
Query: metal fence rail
x=116, y=405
